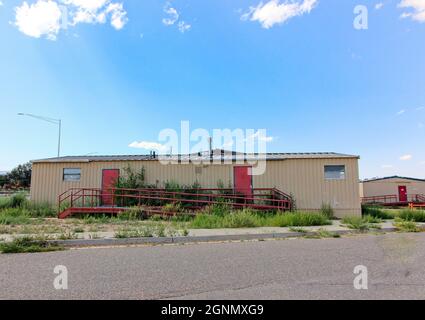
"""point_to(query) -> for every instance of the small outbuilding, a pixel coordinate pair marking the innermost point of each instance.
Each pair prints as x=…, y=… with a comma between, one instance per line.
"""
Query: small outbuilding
x=394, y=189
x=312, y=179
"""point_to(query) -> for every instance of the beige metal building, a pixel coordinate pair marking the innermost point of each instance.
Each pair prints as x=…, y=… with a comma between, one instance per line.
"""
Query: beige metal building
x=402, y=189
x=312, y=179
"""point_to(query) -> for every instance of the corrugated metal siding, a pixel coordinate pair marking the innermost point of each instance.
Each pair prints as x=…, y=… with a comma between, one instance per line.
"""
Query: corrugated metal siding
x=390, y=187
x=303, y=178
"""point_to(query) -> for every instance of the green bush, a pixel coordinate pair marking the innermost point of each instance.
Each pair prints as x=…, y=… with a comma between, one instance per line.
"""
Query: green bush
x=18, y=205
x=206, y=221
x=298, y=219
x=371, y=219
x=412, y=215
x=28, y=245
x=172, y=207
x=377, y=212
x=355, y=222
x=406, y=226
x=327, y=210
x=220, y=209
x=15, y=201
x=131, y=179
x=14, y=216
x=251, y=219
x=18, y=200
x=96, y=219
x=238, y=219
x=242, y=219
x=184, y=217
x=131, y=214
x=322, y=233
x=4, y=203
x=40, y=210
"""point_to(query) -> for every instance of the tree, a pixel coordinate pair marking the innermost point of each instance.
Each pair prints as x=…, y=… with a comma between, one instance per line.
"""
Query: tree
x=3, y=179
x=21, y=175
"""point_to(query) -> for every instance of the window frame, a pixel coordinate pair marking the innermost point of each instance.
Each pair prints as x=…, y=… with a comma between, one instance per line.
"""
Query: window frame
x=64, y=175
x=344, y=177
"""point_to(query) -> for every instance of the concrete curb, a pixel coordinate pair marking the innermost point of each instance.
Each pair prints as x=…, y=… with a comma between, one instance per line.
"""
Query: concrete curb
x=198, y=239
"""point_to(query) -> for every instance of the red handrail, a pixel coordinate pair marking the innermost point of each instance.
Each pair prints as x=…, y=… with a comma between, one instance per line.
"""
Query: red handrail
x=278, y=200
x=388, y=199
x=380, y=199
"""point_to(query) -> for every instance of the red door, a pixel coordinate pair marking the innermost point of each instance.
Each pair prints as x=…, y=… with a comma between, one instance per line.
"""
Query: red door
x=109, y=178
x=242, y=177
x=402, y=193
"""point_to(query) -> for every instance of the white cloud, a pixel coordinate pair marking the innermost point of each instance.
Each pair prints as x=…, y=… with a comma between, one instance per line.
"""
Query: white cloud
x=406, y=157
x=48, y=17
x=172, y=13
x=173, y=18
x=97, y=11
x=1, y=3
x=118, y=15
x=183, y=26
x=38, y=19
x=416, y=9
x=420, y=108
x=148, y=145
x=89, y=5
x=379, y=5
x=274, y=12
x=401, y=112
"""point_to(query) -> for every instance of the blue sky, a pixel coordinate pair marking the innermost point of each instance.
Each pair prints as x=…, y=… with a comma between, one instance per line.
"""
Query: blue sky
x=123, y=70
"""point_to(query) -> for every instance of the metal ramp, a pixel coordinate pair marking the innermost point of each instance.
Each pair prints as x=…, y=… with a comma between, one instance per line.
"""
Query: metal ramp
x=415, y=200
x=151, y=201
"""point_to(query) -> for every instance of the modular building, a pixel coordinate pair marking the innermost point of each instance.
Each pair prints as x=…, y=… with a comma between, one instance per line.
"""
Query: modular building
x=312, y=179
x=392, y=189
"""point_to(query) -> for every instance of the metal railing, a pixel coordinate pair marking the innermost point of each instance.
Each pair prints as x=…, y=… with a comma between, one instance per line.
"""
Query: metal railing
x=393, y=199
x=259, y=198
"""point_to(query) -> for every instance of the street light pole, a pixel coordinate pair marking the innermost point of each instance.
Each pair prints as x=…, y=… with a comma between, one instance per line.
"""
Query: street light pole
x=59, y=139
x=58, y=122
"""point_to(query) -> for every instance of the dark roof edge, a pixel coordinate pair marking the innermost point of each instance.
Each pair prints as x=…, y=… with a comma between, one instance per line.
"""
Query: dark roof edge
x=392, y=177
x=270, y=157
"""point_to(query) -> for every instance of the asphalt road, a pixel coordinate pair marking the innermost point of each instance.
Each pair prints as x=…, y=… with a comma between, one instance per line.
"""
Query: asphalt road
x=286, y=269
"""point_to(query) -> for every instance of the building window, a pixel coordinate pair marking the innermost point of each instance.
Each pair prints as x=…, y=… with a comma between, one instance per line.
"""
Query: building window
x=72, y=174
x=334, y=172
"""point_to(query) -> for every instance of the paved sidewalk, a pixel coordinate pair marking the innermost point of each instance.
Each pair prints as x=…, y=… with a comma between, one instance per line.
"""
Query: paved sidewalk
x=208, y=235
x=336, y=226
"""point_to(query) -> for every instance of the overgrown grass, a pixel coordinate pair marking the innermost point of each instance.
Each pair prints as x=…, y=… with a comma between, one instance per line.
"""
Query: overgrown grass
x=412, y=215
x=28, y=245
x=322, y=233
x=18, y=205
x=149, y=231
x=251, y=219
x=41, y=210
x=361, y=223
x=14, y=201
x=327, y=210
x=4, y=202
x=14, y=216
x=298, y=230
x=379, y=212
x=406, y=226
x=298, y=219
x=242, y=219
